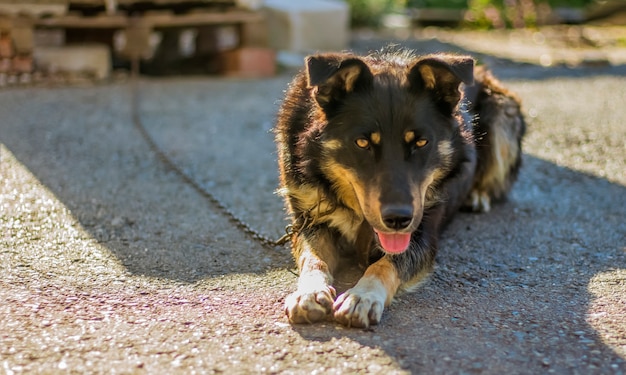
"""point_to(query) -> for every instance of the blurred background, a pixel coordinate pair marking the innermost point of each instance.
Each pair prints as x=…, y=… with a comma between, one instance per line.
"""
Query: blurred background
x=60, y=41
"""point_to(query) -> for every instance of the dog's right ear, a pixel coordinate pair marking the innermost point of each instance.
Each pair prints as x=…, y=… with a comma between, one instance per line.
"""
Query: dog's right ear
x=442, y=75
x=333, y=76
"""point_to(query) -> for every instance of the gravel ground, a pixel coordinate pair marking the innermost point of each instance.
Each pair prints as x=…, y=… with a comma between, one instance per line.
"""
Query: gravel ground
x=111, y=264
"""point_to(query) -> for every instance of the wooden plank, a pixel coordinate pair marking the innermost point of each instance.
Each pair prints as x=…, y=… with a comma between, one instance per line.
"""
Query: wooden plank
x=200, y=19
x=31, y=9
x=75, y=21
x=153, y=20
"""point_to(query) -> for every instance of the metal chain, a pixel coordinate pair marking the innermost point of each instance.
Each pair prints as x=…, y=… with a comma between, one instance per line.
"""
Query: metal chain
x=264, y=240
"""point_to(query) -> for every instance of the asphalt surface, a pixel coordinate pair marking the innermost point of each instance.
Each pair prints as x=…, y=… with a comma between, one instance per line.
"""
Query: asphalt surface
x=112, y=264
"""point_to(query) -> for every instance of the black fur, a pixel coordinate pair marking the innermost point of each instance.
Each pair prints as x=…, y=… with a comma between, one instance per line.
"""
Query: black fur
x=378, y=149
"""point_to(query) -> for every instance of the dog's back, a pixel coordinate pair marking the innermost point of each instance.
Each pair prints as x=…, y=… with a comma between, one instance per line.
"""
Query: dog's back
x=498, y=131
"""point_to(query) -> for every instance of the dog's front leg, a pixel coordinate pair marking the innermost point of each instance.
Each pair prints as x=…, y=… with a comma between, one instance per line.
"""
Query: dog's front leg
x=363, y=304
x=316, y=259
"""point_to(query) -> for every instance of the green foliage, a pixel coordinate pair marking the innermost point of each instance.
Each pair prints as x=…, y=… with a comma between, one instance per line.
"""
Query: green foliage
x=445, y=4
x=370, y=12
x=487, y=14
x=482, y=13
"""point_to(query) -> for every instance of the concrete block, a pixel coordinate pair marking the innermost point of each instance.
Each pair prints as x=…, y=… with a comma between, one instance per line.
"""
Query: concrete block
x=89, y=58
x=307, y=26
x=249, y=62
x=49, y=37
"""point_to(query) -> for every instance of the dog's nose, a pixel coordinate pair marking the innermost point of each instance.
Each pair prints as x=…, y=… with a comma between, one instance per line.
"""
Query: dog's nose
x=397, y=217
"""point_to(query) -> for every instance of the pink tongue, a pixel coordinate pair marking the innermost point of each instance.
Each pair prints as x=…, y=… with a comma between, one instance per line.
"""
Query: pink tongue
x=394, y=242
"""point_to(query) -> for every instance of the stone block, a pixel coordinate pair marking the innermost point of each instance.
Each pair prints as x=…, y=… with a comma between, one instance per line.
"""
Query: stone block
x=307, y=26
x=88, y=58
x=49, y=37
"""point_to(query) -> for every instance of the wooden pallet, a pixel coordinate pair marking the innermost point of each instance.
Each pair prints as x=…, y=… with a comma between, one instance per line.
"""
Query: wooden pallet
x=138, y=29
x=33, y=9
x=250, y=24
x=157, y=20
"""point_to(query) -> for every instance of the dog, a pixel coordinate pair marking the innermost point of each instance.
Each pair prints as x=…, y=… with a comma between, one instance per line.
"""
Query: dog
x=376, y=154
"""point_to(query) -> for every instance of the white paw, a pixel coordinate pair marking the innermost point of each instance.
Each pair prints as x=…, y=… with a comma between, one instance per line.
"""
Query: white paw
x=310, y=305
x=362, y=305
x=479, y=201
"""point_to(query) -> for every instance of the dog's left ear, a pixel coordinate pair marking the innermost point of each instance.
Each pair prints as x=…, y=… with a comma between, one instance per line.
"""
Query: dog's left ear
x=333, y=76
x=442, y=75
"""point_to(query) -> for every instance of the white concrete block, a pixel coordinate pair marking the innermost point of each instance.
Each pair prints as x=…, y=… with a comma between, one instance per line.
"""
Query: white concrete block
x=307, y=26
x=88, y=58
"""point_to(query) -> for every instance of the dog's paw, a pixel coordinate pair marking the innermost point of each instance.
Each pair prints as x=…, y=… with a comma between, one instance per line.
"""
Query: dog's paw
x=359, y=307
x=310, y=306
x=478, y=201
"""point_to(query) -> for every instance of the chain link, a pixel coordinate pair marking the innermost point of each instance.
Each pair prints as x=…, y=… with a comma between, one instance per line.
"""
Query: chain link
x=264, y=240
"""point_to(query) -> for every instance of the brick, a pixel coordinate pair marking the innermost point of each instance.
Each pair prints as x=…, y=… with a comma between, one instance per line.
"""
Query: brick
x=7, y=49
x=307, y=26
x=5, y=65
x=23, y=63
x=249, y=62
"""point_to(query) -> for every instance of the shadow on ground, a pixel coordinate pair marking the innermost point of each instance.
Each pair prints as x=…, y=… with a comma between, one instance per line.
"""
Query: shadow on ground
x=512, y=286
x=512, y=289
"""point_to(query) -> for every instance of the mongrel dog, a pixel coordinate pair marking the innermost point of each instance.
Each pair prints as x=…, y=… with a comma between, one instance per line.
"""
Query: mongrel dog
x=376, y=154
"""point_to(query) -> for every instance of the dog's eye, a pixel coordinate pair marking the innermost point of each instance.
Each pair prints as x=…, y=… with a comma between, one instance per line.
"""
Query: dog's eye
x=421, y=143
x=362, y=143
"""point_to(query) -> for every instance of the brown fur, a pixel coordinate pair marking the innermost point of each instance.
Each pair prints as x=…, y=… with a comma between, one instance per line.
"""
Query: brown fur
x=376, y=154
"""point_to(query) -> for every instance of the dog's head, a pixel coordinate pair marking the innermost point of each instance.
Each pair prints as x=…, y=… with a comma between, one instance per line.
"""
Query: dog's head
x=390, y=124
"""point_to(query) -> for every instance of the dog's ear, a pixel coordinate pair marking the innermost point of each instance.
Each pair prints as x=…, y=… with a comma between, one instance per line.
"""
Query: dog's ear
x=333, y=76
x=442, y=75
